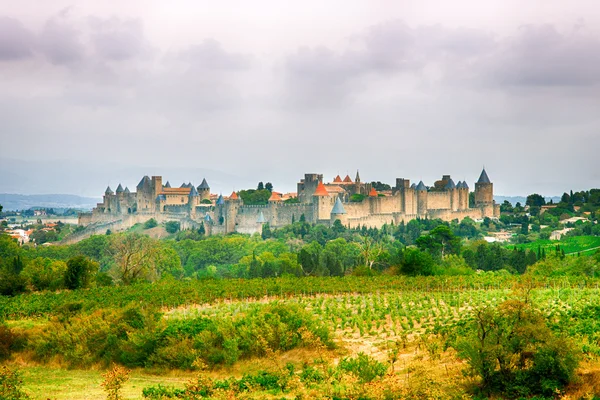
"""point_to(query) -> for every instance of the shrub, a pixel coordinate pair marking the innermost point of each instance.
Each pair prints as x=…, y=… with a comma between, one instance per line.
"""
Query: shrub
x=151, y=223
x=515, y=353
x=10, y=385
x=365, y=368
x=172, y=226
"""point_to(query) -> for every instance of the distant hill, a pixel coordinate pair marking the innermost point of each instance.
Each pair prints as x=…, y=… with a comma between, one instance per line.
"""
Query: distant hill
x=13, y=202
x=521, y=199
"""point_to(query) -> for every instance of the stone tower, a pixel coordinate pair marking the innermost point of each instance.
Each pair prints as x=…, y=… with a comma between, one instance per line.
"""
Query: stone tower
x=308, y=186
x=193, y=201
x=322, y=203
x=421, y=190
x=231, y=209
x=204, y=190
x=338, y=212
x=484, y=190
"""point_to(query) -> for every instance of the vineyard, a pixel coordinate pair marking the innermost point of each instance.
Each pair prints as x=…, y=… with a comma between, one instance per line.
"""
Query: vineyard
x=397, y=327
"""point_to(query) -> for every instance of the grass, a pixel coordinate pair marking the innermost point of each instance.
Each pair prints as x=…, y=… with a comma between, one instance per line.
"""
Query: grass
x=46, y=382
x=571, y=245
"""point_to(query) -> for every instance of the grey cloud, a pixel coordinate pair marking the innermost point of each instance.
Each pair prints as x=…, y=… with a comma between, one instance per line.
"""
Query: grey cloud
x=116, y=39
x=16, y=42
x=210, y=55
x=60, y=41
x=542, y=56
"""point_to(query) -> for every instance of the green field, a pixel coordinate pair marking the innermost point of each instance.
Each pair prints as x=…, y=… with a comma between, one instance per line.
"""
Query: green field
x=416, y=316
x=571, y=245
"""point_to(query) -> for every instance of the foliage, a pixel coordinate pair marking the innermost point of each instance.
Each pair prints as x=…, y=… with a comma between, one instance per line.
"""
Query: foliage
x=79, y=272
x=114, y=379
x=151, y=223
x=515, y=353
x=365, y=368
x=10, y=385
x=255, y=197
x=172, y=226
x=357, y=198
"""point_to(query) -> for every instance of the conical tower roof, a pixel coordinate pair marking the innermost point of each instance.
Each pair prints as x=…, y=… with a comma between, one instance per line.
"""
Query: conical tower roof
x=119, y=188
x=483, y=178
x=108, y=190
x=261, y=218
x=193, y=192
x=207, y=217
x=373, y=192
x=357, y=177
x=220, y=200
x=126, y=191
x=203, y=185
x=167, y=185
x=450, y=185
x=321, y=191
x=338, y=207
x=233, y=196
x=421, y=186
x=145, y=180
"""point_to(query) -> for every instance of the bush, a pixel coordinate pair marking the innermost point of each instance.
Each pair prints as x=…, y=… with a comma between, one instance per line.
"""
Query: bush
x=10, y=385
x=172, y=226
x=365, y=368
x=515, y=353
x=151, y=223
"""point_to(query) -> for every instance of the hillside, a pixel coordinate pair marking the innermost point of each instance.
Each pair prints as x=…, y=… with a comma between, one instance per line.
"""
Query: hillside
x=13, y=202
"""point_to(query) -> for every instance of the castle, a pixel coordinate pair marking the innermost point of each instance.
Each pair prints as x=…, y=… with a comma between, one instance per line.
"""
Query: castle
x=352, y=202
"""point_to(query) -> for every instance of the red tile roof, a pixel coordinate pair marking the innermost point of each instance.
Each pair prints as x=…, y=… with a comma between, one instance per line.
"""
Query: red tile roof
x=373, y=192
x=337, y=179
x=275, y=196
x=347, y=179
x=233, y=196
x=321, y=191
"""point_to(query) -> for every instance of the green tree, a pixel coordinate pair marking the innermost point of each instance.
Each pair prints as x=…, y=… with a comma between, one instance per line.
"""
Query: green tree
x=266, y=231
x=506, y=206
x=151, y=223
x=309, y=258
x=535, y=200
x=79, y=272
x=440, y=241
x=172, y=226
x=260, y=186
x=515, y=353
x=269, y=186
x=416, y=262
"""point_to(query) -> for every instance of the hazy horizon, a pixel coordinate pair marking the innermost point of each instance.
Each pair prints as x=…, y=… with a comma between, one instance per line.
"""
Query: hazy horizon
x=98, y=93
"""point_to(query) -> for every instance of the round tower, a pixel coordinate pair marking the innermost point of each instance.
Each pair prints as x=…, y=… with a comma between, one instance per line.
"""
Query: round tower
x=231, y=209
x=322, y=203
x=204, y=190
x=338, y=213
x=484, y=190
x=421, y=190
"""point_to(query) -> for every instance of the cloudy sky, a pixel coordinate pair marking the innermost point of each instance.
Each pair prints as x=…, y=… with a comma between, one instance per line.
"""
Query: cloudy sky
x=97, y=92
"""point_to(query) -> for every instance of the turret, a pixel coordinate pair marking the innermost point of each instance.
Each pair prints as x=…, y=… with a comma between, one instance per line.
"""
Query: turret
x=453, y=193
x=484, y=190
x=421, y=190
x=338, y=213
x=193, y=201
x=231, y=209
x=357, y=180
x=322, y=203
x=204, y=190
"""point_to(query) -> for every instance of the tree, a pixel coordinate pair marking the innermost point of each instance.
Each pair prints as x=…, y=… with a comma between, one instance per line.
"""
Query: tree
x=135, y=257
x=79, y=272
x=506, y=206
x=266, y=231
x=260, y=186
x=151, y=223
x=535, y=200
x=370, y=250
x=440, y=242
x=172, y=226
x=269, y=186
x=515, y=353
x=309, y=258
x=416, y=262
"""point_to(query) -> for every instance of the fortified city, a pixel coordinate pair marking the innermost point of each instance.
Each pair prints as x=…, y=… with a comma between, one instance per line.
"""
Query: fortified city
x=318, y=203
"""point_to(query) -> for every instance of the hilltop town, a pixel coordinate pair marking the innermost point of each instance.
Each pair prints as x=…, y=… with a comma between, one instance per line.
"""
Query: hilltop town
x=317, y=202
